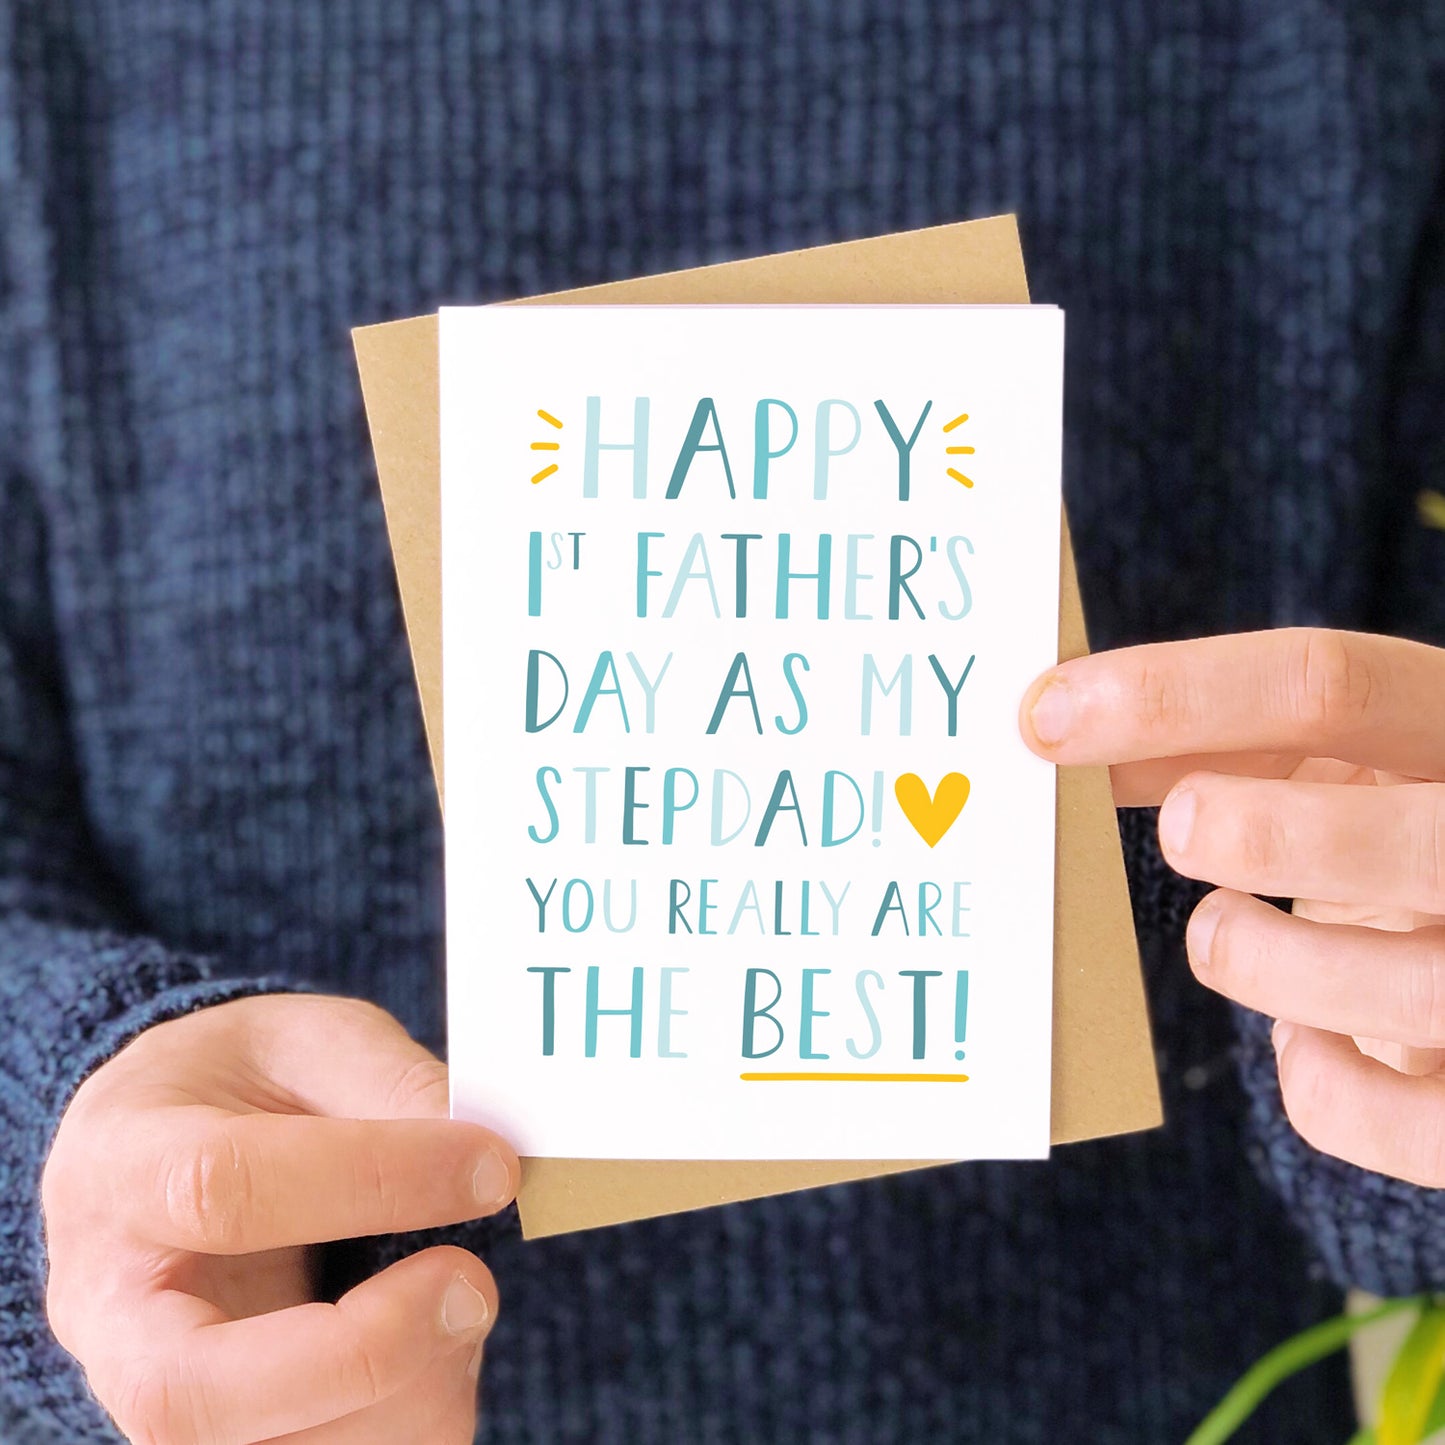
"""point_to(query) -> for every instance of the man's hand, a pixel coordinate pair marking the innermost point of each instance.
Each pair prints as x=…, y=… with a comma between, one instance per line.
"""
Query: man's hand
x=187, y=1179
x=1301, y=764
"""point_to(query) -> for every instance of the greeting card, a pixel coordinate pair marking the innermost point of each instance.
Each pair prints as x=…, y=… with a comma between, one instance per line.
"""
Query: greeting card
x=1103, y=1079
x=745, y=857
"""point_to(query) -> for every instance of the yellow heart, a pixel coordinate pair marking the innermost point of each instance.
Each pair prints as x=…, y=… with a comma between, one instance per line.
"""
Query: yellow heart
x=931, y=816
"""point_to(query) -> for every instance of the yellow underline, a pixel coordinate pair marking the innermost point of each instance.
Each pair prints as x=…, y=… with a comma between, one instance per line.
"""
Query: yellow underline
x=816, y=1076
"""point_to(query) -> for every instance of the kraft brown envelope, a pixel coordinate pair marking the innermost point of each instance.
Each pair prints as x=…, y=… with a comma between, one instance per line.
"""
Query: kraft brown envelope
x=1103, y=1063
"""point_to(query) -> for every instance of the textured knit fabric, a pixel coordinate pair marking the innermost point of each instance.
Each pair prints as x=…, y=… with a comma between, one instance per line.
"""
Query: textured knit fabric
x=213, y=776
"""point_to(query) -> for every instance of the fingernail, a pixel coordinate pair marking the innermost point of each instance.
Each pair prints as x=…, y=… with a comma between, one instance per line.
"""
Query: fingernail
x=1201, y=932
x=1176, y=821
x=492, y=1180
x=465, y=1309
x=1052, y=714
x=1281, y=1034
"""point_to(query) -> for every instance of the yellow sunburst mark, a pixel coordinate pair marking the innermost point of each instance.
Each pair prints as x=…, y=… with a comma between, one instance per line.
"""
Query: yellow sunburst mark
x=958, y=451
x=546, y=446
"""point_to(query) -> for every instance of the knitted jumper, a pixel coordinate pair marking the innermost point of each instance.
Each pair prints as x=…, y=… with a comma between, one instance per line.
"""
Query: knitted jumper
x=213, y=776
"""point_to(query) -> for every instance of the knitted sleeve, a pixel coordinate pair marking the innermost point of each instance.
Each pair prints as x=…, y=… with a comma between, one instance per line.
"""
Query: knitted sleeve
x=1372, y=1232
x=78, y=978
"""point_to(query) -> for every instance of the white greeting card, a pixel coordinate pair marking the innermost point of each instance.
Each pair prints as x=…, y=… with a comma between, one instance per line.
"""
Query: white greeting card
x=745, y=857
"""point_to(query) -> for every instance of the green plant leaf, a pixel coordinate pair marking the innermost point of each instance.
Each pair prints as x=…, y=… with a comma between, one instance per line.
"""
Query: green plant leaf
x=1413, y=1384
x=1287, y=1359
x=1436, y=1418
